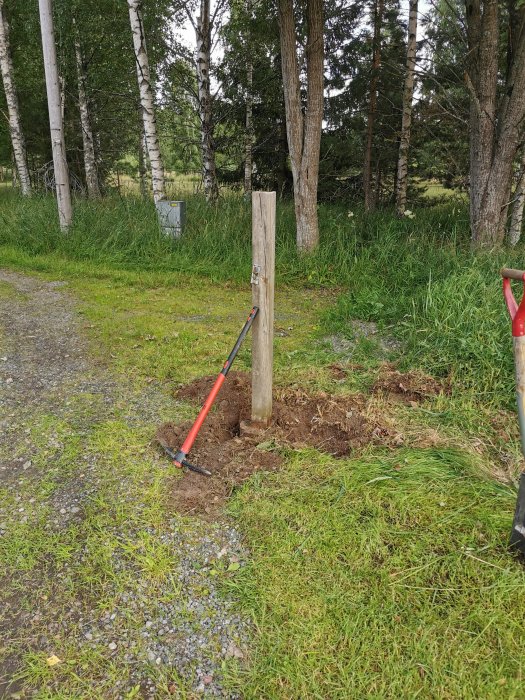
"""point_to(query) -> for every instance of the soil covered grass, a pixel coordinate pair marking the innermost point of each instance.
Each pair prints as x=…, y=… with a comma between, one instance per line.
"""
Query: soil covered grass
x=381, y=572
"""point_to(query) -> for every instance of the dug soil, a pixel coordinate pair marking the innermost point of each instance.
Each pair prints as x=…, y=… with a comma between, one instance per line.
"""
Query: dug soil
x=336, y=425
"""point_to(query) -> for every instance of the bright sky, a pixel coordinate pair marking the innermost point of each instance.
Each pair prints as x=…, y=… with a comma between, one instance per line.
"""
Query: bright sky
x=187, y=34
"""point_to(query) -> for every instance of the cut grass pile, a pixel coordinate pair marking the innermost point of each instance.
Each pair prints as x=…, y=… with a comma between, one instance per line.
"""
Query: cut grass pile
x=384, y=576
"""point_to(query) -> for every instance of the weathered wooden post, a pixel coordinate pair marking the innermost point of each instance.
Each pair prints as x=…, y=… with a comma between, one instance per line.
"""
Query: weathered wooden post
x=263, y=283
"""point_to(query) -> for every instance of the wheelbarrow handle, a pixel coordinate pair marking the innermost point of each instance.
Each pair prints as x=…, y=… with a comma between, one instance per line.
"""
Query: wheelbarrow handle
x=516, y=312
x=510, y=274
x=517, y=315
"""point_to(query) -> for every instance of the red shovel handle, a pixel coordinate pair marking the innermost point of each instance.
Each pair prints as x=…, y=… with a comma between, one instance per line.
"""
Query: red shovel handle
x=517, y=313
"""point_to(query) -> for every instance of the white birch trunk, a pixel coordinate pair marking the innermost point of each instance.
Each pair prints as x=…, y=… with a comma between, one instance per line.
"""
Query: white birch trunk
x=142, y=166
x=202, y=65
x=516, y=219
x=65, y=212
x=15, y=125
x=90, y=163
x=406, y=121
x=248, y=152
x=146, y=100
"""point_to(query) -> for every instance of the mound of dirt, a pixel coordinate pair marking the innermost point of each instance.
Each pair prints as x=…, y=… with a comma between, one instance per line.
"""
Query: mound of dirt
x=336, y=425
x=333, y=424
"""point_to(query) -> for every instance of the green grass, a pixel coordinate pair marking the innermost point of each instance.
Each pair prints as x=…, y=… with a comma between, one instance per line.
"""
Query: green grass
x=384, y=576
x=416, y=278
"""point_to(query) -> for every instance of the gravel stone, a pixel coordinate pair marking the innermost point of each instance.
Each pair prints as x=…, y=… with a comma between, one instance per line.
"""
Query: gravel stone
x=45, y=363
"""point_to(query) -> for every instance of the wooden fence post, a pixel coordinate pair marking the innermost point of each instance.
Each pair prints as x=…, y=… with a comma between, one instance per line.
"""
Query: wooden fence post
x=263, y=282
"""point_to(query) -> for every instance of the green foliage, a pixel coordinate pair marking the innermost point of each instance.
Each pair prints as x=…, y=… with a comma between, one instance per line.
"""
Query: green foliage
x=252, y=35
x=349, y=57
x=111, y=83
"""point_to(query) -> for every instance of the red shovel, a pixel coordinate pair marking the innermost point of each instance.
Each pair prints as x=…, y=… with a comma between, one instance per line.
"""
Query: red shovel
x=179, y=458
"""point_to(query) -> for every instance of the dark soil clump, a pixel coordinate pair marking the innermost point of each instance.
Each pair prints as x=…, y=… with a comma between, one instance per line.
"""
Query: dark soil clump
x=333, y=424
x=409, y=386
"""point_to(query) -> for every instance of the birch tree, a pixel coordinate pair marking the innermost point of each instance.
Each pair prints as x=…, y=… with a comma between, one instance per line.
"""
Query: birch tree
x=369, y=192
x=54, y=103
x=248, y=137
x=15, y=125
x=143, y=170
x=248, y=134
x=203, y=25
x=146, y=100
x=406, y=120
x=516, y=219
x=90, y=163
x=496, y=125
x=303, y=130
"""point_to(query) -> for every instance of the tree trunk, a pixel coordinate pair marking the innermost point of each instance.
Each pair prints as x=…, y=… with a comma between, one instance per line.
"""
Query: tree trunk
x=142, y=166
x=406, y=120
x=15, y=125
x=248, y=134
x=368, y=190
x=495, y=130
x=146, y=100
x=516, y=219
x=248, y=148
x=90, y=163
x=56, y=125
x=303, y=132
x=202, y=65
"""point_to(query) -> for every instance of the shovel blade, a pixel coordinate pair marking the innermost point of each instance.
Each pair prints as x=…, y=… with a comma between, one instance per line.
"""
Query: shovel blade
x=517, y=536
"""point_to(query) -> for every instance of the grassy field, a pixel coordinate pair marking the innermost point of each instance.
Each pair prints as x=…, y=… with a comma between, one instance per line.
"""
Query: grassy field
x=381, y=575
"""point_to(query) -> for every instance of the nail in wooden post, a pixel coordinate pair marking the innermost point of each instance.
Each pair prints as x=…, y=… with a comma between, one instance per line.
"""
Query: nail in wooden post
x=263, y=281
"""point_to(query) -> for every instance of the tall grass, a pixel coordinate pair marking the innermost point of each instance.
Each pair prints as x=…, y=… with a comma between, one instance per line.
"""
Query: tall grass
x=124, y=232
x=415, y=277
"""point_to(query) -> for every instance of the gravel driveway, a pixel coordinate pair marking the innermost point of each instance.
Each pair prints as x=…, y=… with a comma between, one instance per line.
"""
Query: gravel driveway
x=104, y=592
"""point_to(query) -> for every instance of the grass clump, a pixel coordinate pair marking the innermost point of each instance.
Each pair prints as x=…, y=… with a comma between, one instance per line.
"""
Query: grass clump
x=384, y=576
x=417, y=279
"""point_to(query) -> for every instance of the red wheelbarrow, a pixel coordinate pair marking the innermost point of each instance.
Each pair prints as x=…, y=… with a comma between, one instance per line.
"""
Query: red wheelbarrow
x=517, y=314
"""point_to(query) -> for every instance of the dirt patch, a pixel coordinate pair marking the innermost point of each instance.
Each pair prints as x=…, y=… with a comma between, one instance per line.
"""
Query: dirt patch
x=409, y=386
x=333, y=424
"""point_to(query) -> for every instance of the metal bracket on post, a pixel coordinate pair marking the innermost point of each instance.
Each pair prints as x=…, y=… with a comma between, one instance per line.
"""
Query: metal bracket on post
x=256, y=269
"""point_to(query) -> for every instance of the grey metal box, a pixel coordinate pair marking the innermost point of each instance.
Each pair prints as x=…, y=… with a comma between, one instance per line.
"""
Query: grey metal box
x=172, y=217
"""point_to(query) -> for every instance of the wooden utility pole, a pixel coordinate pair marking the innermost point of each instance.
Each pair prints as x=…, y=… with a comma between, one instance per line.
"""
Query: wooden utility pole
x=263, y=283
x=56, y=125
